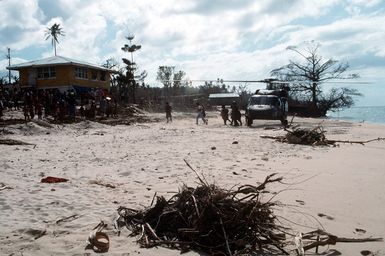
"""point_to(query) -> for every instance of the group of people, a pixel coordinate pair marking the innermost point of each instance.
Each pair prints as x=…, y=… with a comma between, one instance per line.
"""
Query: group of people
x=59, y=105
x=235, y=114
x=201, y=113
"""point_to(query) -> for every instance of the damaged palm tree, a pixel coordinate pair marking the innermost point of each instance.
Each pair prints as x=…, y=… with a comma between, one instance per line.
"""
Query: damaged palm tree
x=209, y=219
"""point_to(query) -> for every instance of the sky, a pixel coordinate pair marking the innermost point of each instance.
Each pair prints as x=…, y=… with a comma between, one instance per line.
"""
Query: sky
x=207, y=39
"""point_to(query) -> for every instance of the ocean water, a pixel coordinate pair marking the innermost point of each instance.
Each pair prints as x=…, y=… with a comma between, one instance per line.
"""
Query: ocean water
x=358, y=114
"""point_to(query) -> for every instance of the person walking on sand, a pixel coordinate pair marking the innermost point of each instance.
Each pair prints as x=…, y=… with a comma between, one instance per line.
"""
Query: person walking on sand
x=236, y=117
x=201, y=114
x=225, y=114
x=168, y=110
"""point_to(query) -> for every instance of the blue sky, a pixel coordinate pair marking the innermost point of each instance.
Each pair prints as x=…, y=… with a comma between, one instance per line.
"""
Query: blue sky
x=208, y=39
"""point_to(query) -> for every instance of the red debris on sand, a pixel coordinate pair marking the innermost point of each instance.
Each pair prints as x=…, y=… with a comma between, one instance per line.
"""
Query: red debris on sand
x=50, y=179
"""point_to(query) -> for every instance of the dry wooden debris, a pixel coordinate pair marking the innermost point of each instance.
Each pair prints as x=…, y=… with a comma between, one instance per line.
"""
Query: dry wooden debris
x=318, y=238
x=69, y=218
x=12, y=142
x=102, y=183
x=97, y=240
x=3, y=186
x=221, y=222
x=314, y=137
x=36, y=233
x=209, y=219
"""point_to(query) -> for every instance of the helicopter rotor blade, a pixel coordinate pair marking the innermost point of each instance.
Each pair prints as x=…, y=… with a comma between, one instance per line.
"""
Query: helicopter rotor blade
x=263, y=81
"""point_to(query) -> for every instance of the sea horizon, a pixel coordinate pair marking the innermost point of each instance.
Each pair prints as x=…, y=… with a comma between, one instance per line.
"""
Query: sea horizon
x=370, y=114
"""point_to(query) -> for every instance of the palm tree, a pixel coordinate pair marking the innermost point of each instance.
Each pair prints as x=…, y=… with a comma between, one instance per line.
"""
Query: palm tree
x=54, y=31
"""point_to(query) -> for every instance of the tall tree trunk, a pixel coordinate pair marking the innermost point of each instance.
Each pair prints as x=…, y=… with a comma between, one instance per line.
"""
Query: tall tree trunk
x=133, y=92
x=314, y=95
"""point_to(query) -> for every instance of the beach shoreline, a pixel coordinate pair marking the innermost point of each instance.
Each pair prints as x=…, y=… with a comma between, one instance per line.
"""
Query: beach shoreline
x=361, y=114
x=337, y=188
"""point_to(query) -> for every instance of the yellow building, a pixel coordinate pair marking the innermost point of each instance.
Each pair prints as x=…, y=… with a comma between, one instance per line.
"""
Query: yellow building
x=62, y=73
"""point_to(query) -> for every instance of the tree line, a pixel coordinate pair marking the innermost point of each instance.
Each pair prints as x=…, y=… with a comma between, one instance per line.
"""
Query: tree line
x=304, y=77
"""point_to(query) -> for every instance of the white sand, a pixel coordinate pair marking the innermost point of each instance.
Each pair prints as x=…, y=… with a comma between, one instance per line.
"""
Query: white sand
x=344, y=184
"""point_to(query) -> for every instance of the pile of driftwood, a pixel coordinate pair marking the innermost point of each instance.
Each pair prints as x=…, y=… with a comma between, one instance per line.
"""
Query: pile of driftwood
x=216, y=221
x=315, y=137
x=209, y=219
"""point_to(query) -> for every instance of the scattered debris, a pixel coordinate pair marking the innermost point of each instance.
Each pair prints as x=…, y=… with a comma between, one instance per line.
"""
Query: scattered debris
x=360, y=230
x=50, y=179
x=97, y=240
x=322, y=238
x=67, y=219
x=12, y=142
x=322, y=215
x=3, y=186
x=36, y=233
x=102, y=183
x=366, y=253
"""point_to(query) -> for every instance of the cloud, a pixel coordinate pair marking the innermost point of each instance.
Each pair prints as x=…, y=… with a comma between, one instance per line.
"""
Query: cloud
x=216, y=6
x=356, y=7
x=21, y=14
x=18, y=19
x=207, y=39
x=51, y=9
x=342, y=38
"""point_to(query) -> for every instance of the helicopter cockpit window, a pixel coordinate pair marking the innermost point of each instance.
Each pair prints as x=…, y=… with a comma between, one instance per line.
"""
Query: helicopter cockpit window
x=272, y=101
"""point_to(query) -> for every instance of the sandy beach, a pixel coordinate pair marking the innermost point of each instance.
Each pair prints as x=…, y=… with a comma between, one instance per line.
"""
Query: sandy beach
x=340, y=189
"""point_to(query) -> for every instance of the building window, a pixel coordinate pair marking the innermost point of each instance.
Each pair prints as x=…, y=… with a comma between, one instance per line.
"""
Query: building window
x=103, y=76
x=94, y=75
x=81, y=73
x=46, y=72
